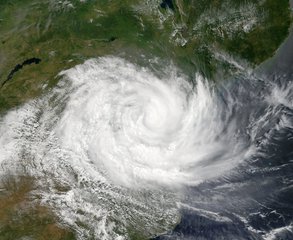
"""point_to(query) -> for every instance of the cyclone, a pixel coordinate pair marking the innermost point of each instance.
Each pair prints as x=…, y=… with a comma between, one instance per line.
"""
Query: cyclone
x=137, y=128
x=125, y=142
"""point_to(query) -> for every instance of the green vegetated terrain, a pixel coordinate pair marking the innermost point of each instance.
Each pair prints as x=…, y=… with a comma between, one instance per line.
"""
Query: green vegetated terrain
x=23, y=217
x=196, y=34
x=208, y=36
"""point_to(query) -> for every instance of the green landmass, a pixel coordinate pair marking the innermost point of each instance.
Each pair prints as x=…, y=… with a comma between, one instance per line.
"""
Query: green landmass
x=197, y=35
x=23, y=217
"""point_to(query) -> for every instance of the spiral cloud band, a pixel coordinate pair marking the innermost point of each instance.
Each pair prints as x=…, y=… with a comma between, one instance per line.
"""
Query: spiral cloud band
x=123, y=140
x=135, y=128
